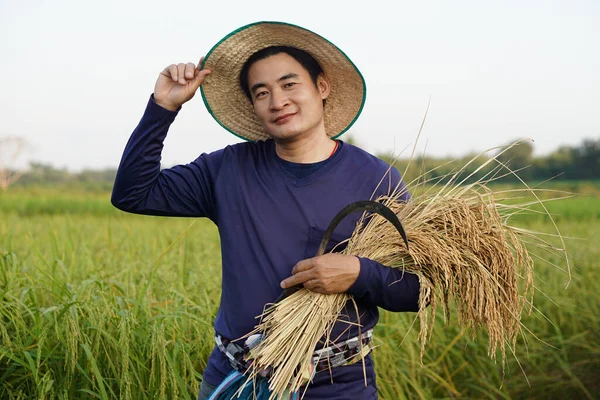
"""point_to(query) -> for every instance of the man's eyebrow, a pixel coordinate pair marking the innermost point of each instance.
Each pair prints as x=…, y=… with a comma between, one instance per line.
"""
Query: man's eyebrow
x=256, y=86
x=288, y=76
x=283, y=78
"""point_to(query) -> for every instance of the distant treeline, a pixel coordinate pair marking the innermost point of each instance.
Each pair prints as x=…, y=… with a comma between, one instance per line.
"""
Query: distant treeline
x=566, y=163
x=40, y=174
x=510, y=164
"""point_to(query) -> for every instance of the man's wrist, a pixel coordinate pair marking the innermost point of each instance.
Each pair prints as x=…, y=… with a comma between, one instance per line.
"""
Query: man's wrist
x=360, y=286
x=166, y=106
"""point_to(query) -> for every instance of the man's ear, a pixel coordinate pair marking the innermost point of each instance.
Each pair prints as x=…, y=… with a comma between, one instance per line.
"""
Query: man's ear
x=323, y=86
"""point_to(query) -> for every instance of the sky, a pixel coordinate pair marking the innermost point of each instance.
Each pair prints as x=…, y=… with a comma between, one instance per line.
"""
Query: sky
x=75, y=76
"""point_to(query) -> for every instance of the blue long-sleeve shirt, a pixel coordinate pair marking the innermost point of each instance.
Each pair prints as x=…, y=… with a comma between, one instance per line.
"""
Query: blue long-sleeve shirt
x=268, y=220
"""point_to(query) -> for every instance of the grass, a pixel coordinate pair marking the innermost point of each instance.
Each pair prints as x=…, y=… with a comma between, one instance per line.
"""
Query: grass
x=95, y=303
x=100, y=308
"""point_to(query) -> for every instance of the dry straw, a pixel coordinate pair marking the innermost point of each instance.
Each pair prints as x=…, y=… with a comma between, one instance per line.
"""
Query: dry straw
x=464, y=251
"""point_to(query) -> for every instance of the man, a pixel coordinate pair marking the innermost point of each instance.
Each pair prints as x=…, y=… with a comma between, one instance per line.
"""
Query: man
x=290, y=92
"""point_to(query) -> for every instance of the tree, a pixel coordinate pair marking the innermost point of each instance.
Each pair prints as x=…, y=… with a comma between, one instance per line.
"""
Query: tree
x=517, y=157
x=11, y=149
x=588, y=158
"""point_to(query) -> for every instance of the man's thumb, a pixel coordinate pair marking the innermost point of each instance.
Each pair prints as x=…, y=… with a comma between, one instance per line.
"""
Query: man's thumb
x=199, y=78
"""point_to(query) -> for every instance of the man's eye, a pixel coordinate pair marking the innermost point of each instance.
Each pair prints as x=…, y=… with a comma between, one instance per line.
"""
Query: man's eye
x=289, y=84
x=261, y=94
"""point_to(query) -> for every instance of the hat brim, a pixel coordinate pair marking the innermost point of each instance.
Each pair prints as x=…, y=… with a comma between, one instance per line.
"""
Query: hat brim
x=230, y=107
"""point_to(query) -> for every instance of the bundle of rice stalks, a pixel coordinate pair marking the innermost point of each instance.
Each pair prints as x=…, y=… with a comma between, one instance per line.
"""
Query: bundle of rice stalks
x=463, y=250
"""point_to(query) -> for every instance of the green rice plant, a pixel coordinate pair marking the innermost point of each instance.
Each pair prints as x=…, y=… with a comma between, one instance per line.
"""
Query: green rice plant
x=85, y=315
x=118, y=306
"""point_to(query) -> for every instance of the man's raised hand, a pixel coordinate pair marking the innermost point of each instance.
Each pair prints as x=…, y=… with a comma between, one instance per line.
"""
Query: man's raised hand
x=178, y=83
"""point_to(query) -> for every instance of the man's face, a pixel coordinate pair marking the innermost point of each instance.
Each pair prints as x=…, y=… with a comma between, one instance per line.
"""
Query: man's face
x=285, y=99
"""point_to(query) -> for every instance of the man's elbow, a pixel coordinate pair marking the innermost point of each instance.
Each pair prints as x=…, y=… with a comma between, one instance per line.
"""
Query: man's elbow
x=408, y=306
x=119, y=201
x=408, y=299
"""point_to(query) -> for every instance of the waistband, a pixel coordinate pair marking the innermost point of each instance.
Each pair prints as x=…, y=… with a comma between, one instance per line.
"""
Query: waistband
x=343, y=353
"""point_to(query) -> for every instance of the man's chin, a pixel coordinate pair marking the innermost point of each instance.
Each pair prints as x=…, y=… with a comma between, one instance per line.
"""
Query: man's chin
x=284, y=136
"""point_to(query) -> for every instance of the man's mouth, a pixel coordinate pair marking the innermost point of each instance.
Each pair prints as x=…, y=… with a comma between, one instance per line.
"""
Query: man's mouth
x=283, y=118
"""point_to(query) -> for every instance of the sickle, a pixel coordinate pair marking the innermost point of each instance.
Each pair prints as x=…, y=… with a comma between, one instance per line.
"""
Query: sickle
x=363, y=205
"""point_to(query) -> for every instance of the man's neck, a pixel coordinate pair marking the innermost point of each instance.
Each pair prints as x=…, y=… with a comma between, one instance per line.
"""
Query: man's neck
x=306, y=151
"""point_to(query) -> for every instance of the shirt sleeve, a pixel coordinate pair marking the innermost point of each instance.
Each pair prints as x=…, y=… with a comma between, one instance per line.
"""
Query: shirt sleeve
x=389, y=288
x=141, y=186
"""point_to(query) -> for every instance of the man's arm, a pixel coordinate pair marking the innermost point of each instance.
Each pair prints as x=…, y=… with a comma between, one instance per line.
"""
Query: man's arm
x=389, y=288
x=365, y=279
x=386, y=287
x=140, y=186
x=377, y=284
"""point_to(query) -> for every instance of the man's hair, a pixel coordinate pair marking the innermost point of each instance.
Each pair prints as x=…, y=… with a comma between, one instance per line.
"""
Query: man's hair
x=305, y=59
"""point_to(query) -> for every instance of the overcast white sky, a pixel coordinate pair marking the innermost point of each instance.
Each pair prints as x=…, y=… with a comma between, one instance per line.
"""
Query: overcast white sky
x=76, y=75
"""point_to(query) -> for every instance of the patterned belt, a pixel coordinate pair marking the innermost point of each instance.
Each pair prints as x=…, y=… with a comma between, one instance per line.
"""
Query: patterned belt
x=339, y=354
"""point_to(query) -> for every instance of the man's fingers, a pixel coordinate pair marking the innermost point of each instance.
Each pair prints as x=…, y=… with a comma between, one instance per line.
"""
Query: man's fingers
x=173, y=72
x=296, y=279
x=312, y=285
x=181, y=73
x=303, y=265
x=190, y=69
x=301, y=273
x=202, y=74
x=199, y=78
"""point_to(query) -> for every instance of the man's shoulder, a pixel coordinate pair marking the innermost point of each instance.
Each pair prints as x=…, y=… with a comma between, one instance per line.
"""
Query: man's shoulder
x=364, y=158
x=247, y=147
x=367, y=167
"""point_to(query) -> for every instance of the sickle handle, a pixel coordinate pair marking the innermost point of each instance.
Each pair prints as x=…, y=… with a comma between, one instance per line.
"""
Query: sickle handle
x=363, y=205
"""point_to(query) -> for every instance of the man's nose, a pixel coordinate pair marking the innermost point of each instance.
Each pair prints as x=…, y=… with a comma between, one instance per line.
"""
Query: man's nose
x=278, y=100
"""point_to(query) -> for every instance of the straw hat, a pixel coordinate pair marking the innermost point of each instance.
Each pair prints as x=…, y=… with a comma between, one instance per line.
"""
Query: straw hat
x=230, y=107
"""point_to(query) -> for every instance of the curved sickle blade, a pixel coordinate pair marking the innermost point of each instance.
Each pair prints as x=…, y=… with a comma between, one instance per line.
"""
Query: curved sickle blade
x=363, y=205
